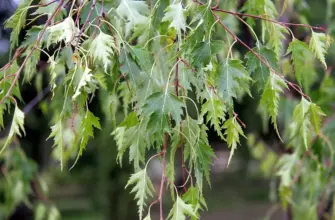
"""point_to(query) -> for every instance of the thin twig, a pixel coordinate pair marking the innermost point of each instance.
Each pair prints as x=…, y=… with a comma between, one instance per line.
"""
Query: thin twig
x=18, y=52
x=87, y=18
x=284, y=24
x=236, y=116
x=258, y=56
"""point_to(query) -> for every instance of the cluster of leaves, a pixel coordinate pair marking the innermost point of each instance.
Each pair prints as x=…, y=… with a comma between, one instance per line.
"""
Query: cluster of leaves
x=151, y=61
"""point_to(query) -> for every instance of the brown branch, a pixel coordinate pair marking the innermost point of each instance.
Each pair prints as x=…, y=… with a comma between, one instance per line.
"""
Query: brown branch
x=284, y=24
x=6, y=77
x=88, y=18
x=31, y=51
x=241, y=122
x=18, y=52
x=160, y=198
x=258, y=56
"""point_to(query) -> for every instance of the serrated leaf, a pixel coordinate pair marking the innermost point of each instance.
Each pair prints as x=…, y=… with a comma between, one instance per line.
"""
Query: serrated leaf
x=164, y=103
x=86, y=83
x=318, y=44
x=300, y=125
x=134, y=138
x=194, y=197
x=101, y=48
x=261, y=71
x=30, y=66
x=46, y=10
x=57, y=134
x=286, y=164
x=135, y=12
x=232, y=79
x=180, y=210
x=175, y=13
x=233, y=132
x=203, y=51
x=276, y=35
x=142, y=188
x=300, y=52
x=16, y=127
x=86, y=131
x=271, y=96
x=17, y=21
x=315, y=114
x=215, y=112
x=32, y=35
x=197, y=149
x=64, y=31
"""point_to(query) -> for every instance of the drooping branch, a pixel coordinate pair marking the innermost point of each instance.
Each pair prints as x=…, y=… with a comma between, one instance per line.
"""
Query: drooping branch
x=258, y=56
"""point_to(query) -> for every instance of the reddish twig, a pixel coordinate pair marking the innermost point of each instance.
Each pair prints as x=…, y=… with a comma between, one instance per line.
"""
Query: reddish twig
x=284, y=24
x=241, y=122
x=160, y=198
x=258, y=56
x=18, y=52
x=31, y=51
x=87, y=18
x=187, y=64
x=6, y=77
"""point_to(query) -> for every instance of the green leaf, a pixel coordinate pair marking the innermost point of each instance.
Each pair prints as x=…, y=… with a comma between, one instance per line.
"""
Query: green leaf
x=300, y=125
x=164, y=103
x=142, y=188
x=271, y=96
x=203, y=52
x=101, y=48
x=315, y=114
x=180, y=209
x=64, y=31
x=86, y=83
x=30, y=67
x=261, y=71
x=194, y=197
x=300, y=52
x=17, y=21
x=86, y=131
x=16, y=127
x=319, y=44
x=31, y=36
x=175, y=13
x=276, y=35
x=197, y=149
x=233, y=132
x=135, y=13
x=136, y=139
x=286, y=164
x=233, y=79
x=216, y=112
x=46, y=10
x=57, y=134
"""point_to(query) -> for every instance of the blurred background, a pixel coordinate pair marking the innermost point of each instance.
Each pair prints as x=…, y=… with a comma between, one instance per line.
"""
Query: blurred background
x=94, y=189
